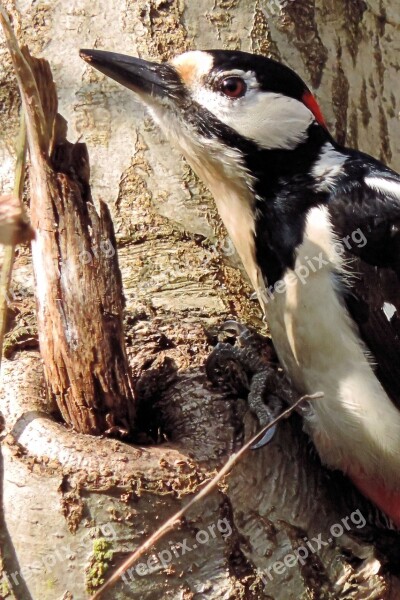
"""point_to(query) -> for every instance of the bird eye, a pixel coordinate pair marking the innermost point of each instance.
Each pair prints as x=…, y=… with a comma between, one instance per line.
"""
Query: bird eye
x=233, y=87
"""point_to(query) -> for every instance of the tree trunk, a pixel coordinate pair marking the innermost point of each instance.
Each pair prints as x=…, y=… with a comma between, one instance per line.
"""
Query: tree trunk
x=68, y=499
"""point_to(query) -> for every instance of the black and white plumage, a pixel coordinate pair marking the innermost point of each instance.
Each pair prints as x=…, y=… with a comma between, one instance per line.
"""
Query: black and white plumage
x=317, y=228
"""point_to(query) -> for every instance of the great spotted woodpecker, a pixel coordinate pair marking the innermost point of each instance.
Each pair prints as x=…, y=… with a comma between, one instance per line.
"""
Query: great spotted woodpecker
x=317, y=228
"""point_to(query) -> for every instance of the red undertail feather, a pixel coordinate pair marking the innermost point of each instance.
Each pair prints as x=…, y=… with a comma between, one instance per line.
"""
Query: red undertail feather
x=387, y=500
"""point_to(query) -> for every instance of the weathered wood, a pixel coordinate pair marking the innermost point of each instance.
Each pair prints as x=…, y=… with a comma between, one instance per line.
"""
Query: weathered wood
x=79, y=295
x=78, y=283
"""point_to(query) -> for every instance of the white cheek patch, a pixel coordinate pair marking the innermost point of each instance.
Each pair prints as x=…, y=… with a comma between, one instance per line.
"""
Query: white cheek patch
x=271, y=120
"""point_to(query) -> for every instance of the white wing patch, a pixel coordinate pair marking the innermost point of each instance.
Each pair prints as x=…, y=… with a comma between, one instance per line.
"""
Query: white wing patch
x=386, y=186
x=328, y=167
x=389, y=310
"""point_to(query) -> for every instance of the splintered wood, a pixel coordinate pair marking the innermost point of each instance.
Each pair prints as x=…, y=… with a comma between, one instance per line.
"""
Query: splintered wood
x=78, y=282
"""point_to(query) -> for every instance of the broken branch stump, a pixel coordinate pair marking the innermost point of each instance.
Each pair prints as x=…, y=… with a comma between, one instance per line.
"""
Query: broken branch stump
x=78, y=282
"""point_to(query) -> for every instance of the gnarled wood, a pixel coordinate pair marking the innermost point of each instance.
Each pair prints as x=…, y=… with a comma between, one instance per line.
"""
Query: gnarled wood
x=78, y=283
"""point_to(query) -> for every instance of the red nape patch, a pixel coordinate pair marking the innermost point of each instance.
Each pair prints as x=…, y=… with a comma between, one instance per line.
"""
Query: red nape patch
x=311, y=103
x=387, y=500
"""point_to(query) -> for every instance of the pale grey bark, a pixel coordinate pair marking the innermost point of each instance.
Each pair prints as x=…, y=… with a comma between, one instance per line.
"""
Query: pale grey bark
x=57, y=486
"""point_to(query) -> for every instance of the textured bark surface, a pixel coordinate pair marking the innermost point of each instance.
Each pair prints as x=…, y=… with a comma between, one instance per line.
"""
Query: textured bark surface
x=78, y=290
x=180, y=280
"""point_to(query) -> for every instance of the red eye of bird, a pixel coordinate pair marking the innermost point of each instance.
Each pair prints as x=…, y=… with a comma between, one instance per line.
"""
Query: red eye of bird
x=233, y=87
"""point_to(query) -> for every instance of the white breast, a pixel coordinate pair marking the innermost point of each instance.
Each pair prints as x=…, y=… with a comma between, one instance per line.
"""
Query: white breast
x=356, y=427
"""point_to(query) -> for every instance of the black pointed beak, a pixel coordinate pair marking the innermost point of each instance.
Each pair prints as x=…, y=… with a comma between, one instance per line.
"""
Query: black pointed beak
x=139, y=75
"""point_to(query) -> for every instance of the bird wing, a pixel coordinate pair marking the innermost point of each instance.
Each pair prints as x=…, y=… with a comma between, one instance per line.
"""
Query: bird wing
x=365, y=214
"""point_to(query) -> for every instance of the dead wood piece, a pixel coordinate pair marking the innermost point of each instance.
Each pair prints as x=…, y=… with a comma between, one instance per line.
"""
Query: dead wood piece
x=78, y=283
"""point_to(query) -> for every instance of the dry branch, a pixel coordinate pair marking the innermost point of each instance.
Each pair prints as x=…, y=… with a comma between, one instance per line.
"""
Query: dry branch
x=78, y=283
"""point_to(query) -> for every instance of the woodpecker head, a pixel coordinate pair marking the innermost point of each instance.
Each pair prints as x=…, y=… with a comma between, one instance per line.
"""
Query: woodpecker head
x=245, y=123
x=218, y=99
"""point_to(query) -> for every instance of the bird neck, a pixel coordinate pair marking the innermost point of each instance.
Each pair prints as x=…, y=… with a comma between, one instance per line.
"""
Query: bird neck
x=286, y=185
x=276, y=169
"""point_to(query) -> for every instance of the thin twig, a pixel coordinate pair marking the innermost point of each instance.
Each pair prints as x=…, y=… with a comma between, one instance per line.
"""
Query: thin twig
x=211, y=485
x=9, y=250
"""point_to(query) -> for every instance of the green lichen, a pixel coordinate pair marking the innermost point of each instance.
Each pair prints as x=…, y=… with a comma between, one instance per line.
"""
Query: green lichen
x=4, y=589
x=50, y=583
x=98, y=564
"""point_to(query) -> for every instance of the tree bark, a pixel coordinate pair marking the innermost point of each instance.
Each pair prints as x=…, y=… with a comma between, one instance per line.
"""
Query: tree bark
x=62, y=490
